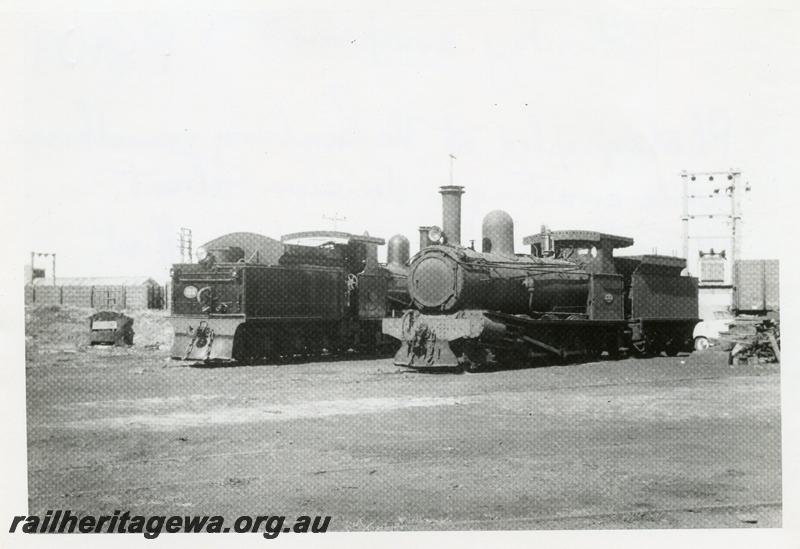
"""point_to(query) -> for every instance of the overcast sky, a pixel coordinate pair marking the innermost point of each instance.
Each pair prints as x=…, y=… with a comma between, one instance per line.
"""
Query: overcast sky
x=131, y=124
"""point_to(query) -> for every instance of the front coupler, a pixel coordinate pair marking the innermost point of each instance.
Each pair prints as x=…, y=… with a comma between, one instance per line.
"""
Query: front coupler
x=204, y=338
x=425, y=338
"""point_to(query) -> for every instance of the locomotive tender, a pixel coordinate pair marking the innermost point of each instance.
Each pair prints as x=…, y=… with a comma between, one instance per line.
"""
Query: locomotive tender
x=569, y=297
x=252, y=297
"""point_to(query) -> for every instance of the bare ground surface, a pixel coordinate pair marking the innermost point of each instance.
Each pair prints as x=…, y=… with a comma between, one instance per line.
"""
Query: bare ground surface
x=659, y=443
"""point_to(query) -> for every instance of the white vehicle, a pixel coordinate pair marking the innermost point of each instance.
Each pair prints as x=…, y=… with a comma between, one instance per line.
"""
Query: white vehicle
x=706, y=333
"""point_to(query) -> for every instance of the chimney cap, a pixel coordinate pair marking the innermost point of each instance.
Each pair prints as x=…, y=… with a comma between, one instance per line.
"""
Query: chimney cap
x=452, y=189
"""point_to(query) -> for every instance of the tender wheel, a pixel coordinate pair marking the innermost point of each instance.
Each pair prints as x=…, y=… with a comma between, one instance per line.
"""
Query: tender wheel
x=470, y=358
x=701, y=343
x=645, y=349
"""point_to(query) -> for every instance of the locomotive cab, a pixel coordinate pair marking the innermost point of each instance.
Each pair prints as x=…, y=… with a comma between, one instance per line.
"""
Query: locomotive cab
x=592, y=250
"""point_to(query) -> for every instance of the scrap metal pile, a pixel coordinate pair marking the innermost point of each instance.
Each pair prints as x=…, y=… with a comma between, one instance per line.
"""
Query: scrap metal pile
x=754, y=340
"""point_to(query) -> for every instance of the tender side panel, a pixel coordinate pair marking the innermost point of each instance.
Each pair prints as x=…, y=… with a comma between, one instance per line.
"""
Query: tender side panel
x=662, y=296
x=277, y=292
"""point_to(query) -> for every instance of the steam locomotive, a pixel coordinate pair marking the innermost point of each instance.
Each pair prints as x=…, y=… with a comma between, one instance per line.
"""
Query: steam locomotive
x=570, y=297
x=251, y=297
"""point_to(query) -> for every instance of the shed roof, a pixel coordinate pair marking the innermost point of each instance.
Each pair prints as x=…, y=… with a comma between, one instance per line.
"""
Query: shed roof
x=334, y=234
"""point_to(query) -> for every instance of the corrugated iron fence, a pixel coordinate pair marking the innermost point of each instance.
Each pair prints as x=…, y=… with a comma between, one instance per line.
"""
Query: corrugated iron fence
x=99, y=297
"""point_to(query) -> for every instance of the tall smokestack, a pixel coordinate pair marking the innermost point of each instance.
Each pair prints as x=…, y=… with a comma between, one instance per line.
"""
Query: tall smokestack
x=451, y=213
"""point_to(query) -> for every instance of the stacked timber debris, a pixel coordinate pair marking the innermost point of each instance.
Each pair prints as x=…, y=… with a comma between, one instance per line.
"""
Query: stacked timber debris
x=754, y=335
x=754, y=340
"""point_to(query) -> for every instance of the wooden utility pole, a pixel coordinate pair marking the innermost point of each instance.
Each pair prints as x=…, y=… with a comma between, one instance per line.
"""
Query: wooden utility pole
x=185, y=244
x=729, y=182
x=44, y=254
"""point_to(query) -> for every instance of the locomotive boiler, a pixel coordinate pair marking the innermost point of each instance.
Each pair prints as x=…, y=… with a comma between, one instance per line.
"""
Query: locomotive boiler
x=251, y=297
x=445, y=278
x=570, y=296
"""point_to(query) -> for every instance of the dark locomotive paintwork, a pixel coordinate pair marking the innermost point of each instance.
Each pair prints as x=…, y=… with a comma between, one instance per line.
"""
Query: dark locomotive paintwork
x=447, y=278
x=306, y=300
x=571, y=296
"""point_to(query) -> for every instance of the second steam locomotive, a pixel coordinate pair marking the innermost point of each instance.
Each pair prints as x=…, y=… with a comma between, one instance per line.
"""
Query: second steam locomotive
x=571, y=296
x=251, y=297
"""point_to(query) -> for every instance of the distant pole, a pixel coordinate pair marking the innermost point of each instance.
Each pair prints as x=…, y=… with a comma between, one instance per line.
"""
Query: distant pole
x=334, y=219
x=185, y=244
x=731, y=189
x=43, y=254
x=685, y=216
x=452, y=158
x=735, y=217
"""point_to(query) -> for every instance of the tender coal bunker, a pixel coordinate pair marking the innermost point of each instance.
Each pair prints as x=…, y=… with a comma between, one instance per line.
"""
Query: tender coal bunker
x=228, y=254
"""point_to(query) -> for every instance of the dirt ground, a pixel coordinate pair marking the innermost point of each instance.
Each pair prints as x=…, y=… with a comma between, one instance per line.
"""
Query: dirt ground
x=666, y=442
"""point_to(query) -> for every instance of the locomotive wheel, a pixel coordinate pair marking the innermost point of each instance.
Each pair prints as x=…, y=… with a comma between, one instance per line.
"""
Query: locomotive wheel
x=651, y=344
x=672, y=350
x=612, y=346
x=642, y=349
x=253, y=344
x=595, y=353
x=514, y=358
x=469, y=362
x=471, y=359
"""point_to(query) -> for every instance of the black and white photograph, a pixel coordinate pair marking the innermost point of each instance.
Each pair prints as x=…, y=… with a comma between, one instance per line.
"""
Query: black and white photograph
x=459, y=273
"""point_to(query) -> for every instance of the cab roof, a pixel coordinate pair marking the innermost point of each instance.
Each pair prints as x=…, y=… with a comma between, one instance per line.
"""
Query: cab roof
x=581, y=236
